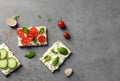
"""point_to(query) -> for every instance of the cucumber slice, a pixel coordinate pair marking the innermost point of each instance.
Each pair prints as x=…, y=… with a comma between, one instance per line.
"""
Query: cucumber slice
x=12, y=63
x=3, y=53
x=3, y=64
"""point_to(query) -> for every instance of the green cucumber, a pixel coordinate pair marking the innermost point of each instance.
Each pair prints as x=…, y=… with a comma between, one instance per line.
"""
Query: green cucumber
x=3, y=64
x=12, y=63
x=3, y=53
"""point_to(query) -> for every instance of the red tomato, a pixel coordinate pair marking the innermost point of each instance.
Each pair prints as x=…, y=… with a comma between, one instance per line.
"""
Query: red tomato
x=61, y=24
x=41, y=38
x=30, y=36
x=66, y=35
x=20, y=33
x=25, y=41
x=34, y=31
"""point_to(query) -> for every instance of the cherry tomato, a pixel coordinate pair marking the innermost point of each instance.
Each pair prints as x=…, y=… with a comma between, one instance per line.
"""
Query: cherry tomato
x=61, y=24
x=34, y=31
x=25, y=41
x=66, y=35
x=20, y=33
x=41, y=38
x=30, y=36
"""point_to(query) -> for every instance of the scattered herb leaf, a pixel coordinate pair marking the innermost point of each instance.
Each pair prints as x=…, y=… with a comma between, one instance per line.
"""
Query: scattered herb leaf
x=55, y=61
x=47, y=58
x=49, y=20
x=15, y=16
x=30, y=54
x=40, y=17
x=25, y=30
x=41, y=31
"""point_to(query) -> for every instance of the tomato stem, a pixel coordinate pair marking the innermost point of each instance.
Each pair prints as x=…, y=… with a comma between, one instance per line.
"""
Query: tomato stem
x=60, y=19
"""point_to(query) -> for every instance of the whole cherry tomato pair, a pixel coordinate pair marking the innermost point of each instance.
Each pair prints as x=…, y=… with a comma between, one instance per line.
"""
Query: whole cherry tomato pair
x=61, y=25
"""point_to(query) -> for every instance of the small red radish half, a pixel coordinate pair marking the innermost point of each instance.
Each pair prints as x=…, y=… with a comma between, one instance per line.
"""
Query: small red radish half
x=11, y=22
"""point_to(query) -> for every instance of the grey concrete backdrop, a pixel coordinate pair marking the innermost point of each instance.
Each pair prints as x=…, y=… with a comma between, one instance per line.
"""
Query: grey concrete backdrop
x=94, y=26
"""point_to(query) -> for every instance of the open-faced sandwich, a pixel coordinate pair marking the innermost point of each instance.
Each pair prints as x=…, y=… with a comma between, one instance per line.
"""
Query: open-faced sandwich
x=8, y=62
x=55, y=56
x=32, y=36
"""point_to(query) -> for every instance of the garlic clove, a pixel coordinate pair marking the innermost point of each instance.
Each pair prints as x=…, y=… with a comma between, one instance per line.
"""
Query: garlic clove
x=68, y=72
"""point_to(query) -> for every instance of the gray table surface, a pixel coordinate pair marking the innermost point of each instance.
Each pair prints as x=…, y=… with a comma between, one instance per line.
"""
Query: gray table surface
x=94, y=26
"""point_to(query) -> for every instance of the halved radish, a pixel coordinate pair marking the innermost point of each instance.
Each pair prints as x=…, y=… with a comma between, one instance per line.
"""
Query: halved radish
x=12, y=21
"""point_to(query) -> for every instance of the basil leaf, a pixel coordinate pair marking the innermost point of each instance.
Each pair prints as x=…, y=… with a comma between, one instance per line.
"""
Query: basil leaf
x=55, y=61
x=35, y=40
x=25, y=30
x=15, y=16
x=53, y=51
x=62, y=50
x=30, y=54
x=40, y=17
x=49, y=20
x=41, y=31
x=47, y=58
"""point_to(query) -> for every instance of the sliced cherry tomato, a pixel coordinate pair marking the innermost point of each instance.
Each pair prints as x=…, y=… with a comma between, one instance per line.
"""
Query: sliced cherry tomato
x=20, y=33
x=25, y=41
x=30, y=36
x=34, y=31
x=41, y=38
x=61, y=24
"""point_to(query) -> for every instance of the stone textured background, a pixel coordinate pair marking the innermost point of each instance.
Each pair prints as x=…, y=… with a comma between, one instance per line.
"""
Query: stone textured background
x=94, y=26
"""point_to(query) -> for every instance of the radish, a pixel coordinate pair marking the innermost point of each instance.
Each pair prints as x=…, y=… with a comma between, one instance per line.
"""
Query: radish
x=12, y=21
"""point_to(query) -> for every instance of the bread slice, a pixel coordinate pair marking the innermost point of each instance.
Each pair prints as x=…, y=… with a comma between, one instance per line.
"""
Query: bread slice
x=7, y=71
x=54, y=53
x=34, y=41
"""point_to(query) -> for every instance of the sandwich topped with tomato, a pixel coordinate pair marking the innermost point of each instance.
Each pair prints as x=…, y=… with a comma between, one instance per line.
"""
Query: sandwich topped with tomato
x=32, y=36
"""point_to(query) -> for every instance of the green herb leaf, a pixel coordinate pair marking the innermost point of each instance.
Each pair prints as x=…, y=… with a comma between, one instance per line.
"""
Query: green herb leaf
x=15, y=16
x=30, y=54
x=41, y=31
x=35, y=40
x=62, y=50
x=47, y=58
x=49, y=20
x=40, y=17
x=55, y=61
x=25, y=30
x=53, y=51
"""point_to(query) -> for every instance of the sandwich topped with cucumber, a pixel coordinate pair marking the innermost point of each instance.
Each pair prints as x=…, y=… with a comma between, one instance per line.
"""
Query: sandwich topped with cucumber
x=8, y=62
x=5, y=61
